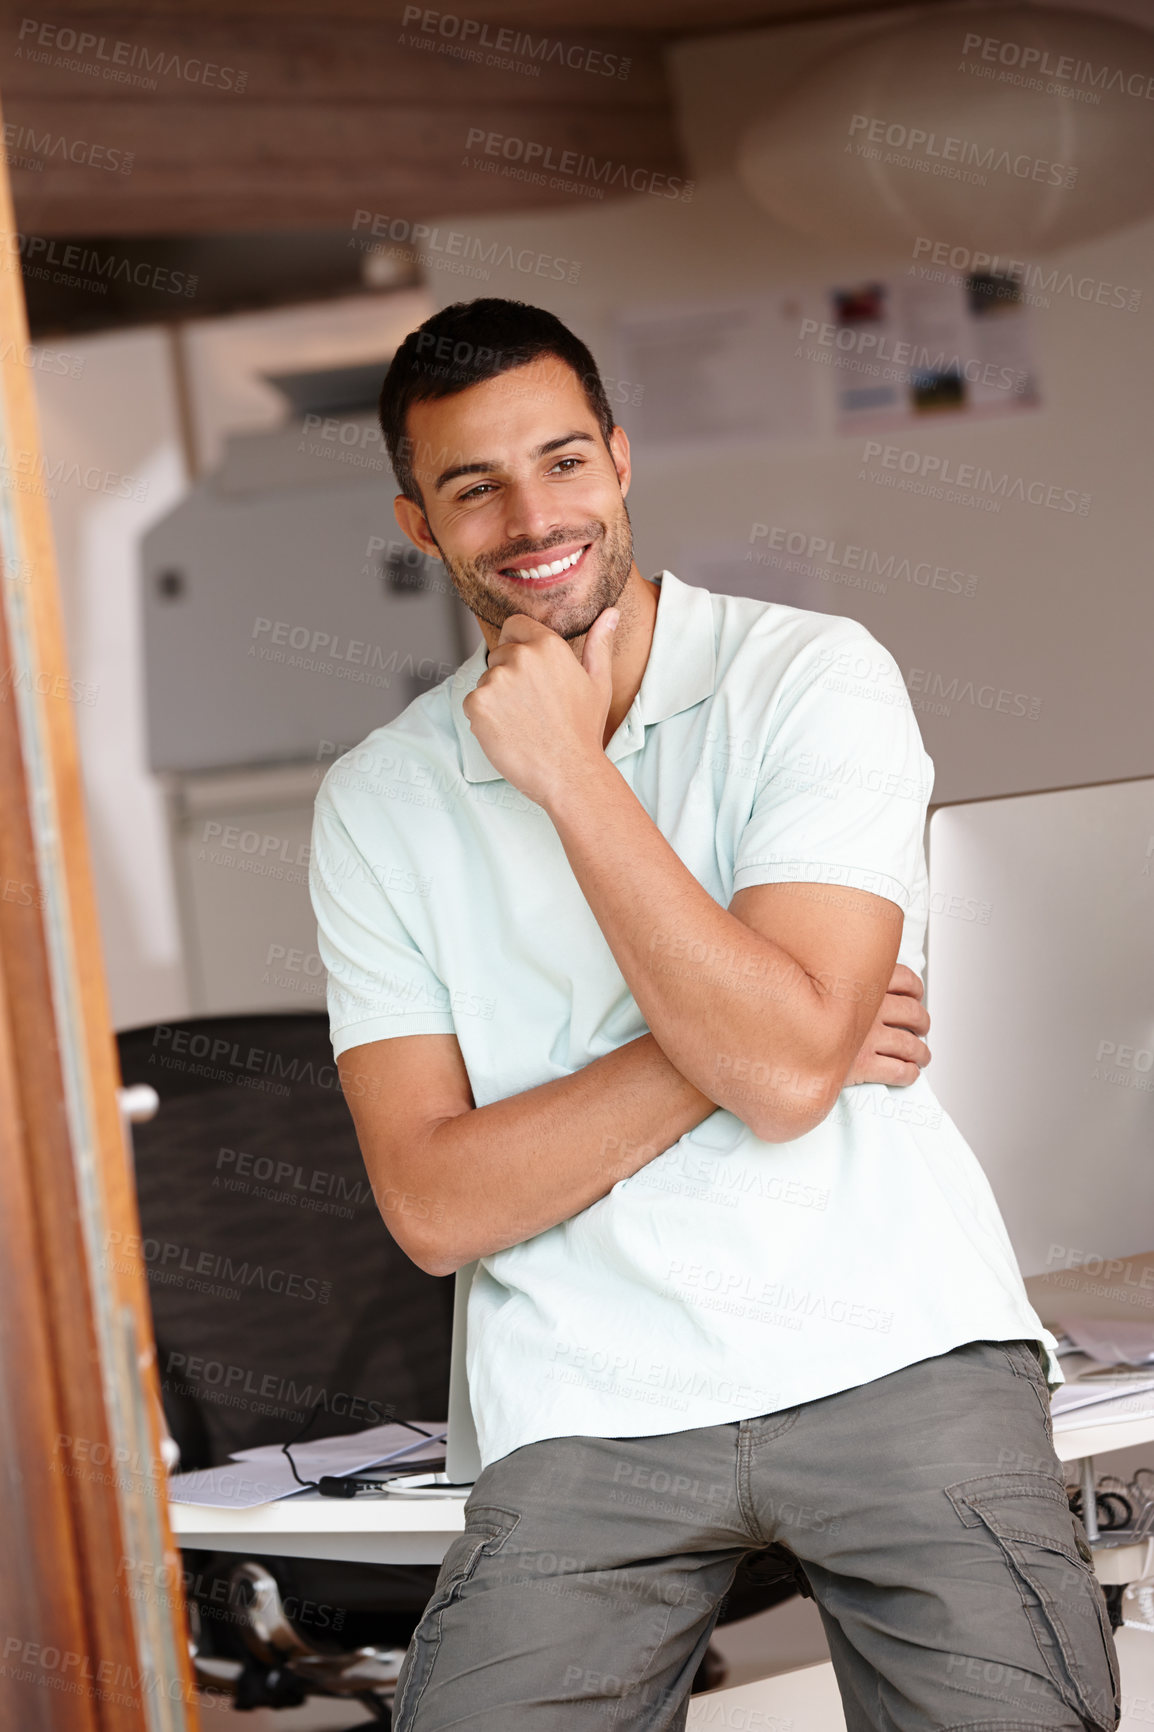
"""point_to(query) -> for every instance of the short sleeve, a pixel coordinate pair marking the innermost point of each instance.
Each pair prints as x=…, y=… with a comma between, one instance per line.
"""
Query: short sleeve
x=379, y=983
x=845, y=781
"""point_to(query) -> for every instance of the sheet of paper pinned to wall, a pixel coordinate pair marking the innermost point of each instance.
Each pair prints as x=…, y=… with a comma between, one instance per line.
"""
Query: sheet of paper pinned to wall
x=903, y=350
x=705, y=373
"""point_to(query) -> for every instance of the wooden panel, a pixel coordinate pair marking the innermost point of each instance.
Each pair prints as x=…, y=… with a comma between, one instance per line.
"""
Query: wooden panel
x=442, y=55
x=77, y=1379
x=662, y=17
x=281, y=167
x=38, y=1608
x=329, y=120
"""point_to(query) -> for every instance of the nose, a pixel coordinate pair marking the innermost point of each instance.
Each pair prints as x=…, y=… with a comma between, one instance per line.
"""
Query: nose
x=532, y=510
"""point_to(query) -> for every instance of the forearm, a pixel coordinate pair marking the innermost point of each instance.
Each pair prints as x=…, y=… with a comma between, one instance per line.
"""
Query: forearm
x=500, y=1174
x=716, y=994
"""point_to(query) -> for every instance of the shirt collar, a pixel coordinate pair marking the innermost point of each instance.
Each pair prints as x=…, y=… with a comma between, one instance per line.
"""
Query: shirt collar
x=681, y=671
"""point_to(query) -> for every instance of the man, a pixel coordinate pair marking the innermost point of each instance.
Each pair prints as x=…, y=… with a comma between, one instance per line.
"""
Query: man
x=609, y=919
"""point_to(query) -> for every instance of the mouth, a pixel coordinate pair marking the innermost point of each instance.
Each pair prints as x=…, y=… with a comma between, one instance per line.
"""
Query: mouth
x=534, y=571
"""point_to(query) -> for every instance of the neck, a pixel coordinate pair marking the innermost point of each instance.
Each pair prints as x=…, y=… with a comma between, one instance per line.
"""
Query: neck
x=632, y=642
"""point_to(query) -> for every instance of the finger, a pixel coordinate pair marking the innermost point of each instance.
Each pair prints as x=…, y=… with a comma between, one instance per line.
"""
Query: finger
x=897, y=1043
x=597, y=654
x=894, y=1072
x=519, y=628
x=898, y=1011
x=905, y=981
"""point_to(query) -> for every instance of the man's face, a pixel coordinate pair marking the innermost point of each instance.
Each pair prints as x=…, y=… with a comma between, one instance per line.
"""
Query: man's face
x=515, y=477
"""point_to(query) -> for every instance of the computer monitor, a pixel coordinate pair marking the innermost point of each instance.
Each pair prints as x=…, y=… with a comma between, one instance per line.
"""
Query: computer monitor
x=1040, y=986
x=462, y=1452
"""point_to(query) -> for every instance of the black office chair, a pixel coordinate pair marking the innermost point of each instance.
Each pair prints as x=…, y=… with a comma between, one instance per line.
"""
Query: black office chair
x=276, y=1287
x=277, y=1293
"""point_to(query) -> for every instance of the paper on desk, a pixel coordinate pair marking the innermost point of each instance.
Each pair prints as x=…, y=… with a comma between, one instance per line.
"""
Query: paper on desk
x=360, y=1449
x=1102, y=1401
x=1112, y=1340
x=263, y=1474
x=235, y=1486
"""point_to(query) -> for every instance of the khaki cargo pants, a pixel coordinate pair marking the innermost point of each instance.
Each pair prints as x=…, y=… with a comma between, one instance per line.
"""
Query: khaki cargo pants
x=924, y=1512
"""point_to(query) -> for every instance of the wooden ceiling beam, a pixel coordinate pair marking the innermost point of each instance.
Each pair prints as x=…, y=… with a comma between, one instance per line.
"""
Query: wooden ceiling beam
x=329, y=121
x=285, y=166
x=238, y=63
x=663, y=18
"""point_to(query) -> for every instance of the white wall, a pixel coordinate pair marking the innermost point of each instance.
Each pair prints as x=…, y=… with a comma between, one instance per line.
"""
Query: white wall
x=112, y=420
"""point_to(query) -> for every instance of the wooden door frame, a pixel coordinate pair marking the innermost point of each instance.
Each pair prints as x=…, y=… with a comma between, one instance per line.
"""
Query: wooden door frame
x=93, y=1634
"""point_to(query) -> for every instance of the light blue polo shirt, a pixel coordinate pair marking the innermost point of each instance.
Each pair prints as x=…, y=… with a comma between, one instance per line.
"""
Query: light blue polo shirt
x=729, y=1277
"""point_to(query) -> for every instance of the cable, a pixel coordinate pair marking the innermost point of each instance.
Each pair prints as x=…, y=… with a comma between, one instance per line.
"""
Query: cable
x=339, y=1485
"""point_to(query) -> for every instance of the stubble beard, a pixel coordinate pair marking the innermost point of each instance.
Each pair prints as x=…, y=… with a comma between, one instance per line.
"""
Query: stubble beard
x=610, y=548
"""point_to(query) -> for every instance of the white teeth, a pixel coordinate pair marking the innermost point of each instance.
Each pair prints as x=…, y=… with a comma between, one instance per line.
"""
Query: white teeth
x=554, y=570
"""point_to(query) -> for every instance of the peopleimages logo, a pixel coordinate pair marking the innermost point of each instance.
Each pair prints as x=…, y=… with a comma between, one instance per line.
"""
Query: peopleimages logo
x=42, y=145
x=428, y=243
x=1043, y=280
x=1039, y=63
x=529, y=158
x=119, y=62
x=943, y=149
x=84, y=267
x=941, y=477
x=466, y=37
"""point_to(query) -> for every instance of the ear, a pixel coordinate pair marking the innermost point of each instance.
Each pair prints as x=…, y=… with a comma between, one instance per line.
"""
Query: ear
x=415, y=525
x=622, y=461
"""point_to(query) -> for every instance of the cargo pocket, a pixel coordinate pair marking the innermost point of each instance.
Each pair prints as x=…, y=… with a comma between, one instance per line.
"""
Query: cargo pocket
x=487, y=1529
x=1028, y=1514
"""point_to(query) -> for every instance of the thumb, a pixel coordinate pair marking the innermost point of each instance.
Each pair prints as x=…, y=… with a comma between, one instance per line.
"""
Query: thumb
x=597, y=654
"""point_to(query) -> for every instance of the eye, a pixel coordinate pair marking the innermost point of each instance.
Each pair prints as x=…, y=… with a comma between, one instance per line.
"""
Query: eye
x=477, y=492
x=573, y=463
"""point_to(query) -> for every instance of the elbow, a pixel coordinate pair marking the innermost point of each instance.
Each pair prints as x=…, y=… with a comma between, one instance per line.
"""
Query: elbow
x=439, y=1265
x=426, y=1245
x=797, y=1104
x=417, y=1226
x=431, y=1256
x=773, y=1125
x=433, y=1248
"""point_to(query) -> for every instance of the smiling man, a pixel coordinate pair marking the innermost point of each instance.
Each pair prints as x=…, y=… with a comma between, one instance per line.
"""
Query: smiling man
x=646, y=1041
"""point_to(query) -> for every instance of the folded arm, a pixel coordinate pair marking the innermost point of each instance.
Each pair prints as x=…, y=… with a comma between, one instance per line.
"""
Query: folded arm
x=796, y=971
x=454, y=1181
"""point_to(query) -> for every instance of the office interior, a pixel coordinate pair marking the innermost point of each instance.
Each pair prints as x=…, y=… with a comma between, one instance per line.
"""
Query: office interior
x=758, y=214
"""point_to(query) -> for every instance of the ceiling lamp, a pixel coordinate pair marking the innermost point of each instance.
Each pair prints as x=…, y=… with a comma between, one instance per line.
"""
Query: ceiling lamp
x=997, y=129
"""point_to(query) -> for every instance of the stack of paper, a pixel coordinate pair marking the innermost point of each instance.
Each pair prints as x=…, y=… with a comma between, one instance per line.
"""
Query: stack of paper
x=1112, y=1340
x=263, y=1474
x=1102, y=1401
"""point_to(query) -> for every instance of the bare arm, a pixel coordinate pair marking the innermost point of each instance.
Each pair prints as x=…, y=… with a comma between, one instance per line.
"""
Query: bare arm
x=454, y=1181
x=765, y=1003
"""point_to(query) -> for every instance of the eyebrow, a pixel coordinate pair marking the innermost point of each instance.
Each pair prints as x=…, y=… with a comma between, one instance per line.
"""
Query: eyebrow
x=545, y=450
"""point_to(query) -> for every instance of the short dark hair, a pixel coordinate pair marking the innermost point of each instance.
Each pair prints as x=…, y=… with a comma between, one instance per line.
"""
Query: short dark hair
x=464, y=345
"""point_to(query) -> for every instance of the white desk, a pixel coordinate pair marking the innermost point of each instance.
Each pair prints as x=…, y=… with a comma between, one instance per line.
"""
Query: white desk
x=363, y=1530
x=394, y=1530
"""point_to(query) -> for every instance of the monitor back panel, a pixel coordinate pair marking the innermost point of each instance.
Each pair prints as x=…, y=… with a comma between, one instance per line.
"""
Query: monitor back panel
x=1040, y=985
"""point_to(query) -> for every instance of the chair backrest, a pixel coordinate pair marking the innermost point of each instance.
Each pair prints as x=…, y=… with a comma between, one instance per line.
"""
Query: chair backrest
x=274, y=1282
